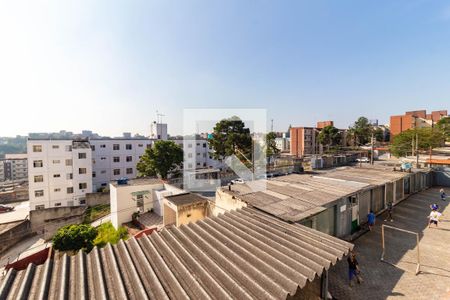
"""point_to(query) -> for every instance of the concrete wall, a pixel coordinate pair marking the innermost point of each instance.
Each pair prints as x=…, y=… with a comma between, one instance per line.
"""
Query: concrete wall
x=93, y=199
x=226, y=202
x=441, y=178
x=47, y=221
x=15, y=234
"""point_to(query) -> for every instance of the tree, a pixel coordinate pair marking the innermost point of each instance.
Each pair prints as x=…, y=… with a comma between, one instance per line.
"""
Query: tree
x=329, y=136
x=444, y=126
x=271, y=146
x=361, y=131
x=74, y=237
x=231, y=137
x=161, y=159
x=379, y=134
x=428, y=137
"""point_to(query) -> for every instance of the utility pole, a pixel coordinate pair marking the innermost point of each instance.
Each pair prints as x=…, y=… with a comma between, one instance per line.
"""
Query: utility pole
x=417, y=150
x=412, y=146
x=271, y=126
x=372, y=148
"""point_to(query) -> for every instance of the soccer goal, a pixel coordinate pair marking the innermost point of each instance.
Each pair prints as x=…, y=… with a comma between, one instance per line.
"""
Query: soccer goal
x=405, y=231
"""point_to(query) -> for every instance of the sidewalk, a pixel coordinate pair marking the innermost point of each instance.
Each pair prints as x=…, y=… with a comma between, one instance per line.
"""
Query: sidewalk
x=398, y=281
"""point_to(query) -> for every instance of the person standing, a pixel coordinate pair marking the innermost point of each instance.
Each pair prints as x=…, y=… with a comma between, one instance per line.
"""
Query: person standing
x=371, y=219
x=443, y=195
x=389, y=210
x=353, y=268
x=434, y=218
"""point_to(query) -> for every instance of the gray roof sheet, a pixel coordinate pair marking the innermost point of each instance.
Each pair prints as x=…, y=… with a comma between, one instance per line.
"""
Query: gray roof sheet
x=243, y=254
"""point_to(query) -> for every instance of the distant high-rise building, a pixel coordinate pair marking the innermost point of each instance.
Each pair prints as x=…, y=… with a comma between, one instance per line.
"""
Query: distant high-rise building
x=323, y=124
x=303, y=141
x=158, y=131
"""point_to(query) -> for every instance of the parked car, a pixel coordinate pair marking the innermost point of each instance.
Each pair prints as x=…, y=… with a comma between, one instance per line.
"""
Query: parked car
x=4, y=208
x=363, y=159
x=236, y=181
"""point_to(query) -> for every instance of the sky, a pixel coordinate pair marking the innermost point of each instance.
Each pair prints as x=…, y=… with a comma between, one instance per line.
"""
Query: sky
x=108, y=66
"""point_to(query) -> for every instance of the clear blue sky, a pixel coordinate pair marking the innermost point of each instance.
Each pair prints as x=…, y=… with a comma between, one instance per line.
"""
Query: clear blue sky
x=109, y=65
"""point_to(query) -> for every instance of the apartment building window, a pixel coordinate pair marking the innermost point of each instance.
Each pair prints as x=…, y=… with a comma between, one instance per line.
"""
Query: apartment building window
x=198, y=164
x=204, y=145
x=57, y=204
x=68, y=148
x=103, y=172
x=70, y=190
x=82, y=185
x=198, y=154
x=189, y=145
x=82, y=201
x=129, y=170
x=149, y=146
x=102, y=158
x=103, y=146
x=116, y=159
x=56, y=161
x=129, y=158
x=204, y=164
x=37, y=148
x=55, y=146
x=82, y=171
x=189, y=155
x=37, y=164
x=140, y=156
x=56, y=175
x=39, y=193
x=68, y=162
x=116, y=171
x=57, y=190
x=204, y=155
x=93, y=147
x=140, y=145
x=198, y=144
x=38, y=207
x=116, y=147
x=94, y=174
x=38, y=178
x=189, y=166
x=69, y=176
x=128, y=147
x=82, y=155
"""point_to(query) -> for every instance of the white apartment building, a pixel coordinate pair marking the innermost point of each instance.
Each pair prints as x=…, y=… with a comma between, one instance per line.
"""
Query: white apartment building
x=197, y=154
x=59, y=172
x=115, y=158
x=14, y=167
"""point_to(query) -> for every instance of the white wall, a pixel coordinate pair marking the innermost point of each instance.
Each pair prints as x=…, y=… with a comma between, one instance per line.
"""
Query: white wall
x=196, y=154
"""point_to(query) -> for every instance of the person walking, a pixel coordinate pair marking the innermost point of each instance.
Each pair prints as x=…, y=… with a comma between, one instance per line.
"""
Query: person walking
x=353, y=269
x=434, y=217
x=443, y=195
x=389, y=210
x=371, y=219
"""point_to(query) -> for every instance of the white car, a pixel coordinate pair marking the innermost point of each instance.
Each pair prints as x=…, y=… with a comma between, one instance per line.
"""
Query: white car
x=363, y=159
x=236, y=181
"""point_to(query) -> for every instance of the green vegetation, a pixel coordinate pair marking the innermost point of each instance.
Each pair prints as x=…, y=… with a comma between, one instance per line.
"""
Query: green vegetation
x=96, y=212
x=271, y=146
x=360, y=132
x=108, y=234
x=231, y=137
x=161, y=159
x=75, y=237
x=329, y=136
x=428, y=138
x=444, y=126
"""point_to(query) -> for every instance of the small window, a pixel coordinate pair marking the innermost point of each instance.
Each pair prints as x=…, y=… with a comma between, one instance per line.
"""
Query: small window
x=57, y=190
x=58, y=204
x=128, y=147
x=149, y=146
x=82, y=171
x=140, y=145
x=204, y=155
x=103, y=184
x=198, y=164
x=204, y=145
x=116, y=147
x=198, y=154
x=37, y=164
x=55, y=146
x=129, y=158
x=69, y=176
x=190, y=166
x=39, y=193
x=93, y=147
x=37, y=148
x=103, y=172
x=68, y=162
x=189, y=155
x=68, y=148
x=82, y=185
x=116, y=171
x=189, y=145
x=129, y=170
x=70, y=190
x=82, y=155
x=38, y=178
x=198, y=144
x=38, y=207
x=56, y=175
x=94, y=174
x=103, y=146
x=56, y=161
x=102, y=158
x=82, y=201
x=116, y=159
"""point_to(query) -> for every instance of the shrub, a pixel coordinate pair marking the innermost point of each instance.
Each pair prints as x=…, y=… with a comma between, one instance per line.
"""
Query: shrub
x=75, y=237
x=108, y=234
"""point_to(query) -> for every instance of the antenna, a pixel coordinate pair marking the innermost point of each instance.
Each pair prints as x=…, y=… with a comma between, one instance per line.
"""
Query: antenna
x=159, y=117
x=271, y=127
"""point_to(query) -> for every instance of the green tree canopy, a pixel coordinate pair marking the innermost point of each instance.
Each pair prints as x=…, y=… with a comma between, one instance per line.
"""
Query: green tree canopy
x=444, y=126
x=361, y=131
x=379, y=135
x=271, y=146
x=329, y=136
x=428, y=137
x=229, y=136
x=161, y=159
x=75, y=237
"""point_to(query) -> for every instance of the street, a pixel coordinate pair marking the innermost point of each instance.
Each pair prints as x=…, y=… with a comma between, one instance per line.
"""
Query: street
x=20, y=212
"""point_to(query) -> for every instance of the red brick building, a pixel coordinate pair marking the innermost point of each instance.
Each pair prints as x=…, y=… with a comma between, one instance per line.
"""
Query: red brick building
x=415, y=119
x=323, y=124
x=303, y=141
